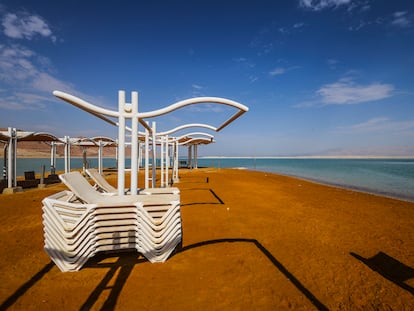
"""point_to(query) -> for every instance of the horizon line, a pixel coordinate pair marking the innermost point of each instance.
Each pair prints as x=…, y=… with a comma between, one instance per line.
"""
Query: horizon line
x=314, y=157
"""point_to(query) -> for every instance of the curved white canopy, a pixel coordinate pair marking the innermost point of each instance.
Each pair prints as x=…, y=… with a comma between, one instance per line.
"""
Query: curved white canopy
x=29, y=136
x=103, y=113
x=129, y=111
x=185, y=126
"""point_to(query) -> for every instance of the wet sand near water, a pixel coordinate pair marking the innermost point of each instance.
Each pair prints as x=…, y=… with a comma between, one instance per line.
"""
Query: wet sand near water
x=251, y=241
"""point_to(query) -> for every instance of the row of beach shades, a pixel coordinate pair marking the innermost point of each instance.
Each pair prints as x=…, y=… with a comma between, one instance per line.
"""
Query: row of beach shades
x=82, y=222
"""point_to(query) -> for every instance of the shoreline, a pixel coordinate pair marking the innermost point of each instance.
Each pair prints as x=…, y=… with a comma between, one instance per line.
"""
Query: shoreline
x=351, y=157
x=342, y=186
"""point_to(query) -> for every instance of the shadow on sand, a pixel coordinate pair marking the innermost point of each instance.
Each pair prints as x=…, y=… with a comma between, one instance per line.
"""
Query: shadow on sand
x=125, y=263
x=26, y=286
x=390, y=268
x=216, y=200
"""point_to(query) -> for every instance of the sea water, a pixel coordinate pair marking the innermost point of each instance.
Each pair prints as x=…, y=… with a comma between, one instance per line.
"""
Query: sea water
x=387, y=177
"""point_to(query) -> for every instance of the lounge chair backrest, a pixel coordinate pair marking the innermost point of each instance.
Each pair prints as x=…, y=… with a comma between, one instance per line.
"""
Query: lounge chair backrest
x=100, y=181
x=80, y=187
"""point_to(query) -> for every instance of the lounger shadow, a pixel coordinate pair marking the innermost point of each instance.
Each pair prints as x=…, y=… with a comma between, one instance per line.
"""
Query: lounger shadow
x=390, y=268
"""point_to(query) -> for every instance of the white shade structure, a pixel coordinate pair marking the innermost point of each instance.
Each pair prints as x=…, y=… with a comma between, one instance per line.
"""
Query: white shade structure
x=75, y=230
x=12, y=136
x=10, y=139
x=129, y=111
x=99, y=141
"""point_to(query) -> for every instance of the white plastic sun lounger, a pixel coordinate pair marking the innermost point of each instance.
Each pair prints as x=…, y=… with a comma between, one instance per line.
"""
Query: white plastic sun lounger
x=71, y=237
x=102, y=185
x=85, y=192
x=81, y=223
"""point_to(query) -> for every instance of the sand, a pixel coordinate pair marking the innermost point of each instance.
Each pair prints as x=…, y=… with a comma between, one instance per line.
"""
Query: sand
x=251, y=241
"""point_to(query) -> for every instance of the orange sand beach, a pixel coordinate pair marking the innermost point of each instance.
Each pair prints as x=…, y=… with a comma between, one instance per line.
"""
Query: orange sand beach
x=251, y=241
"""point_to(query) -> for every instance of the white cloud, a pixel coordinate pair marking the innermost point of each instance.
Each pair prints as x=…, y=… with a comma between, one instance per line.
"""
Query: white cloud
x=273, y=35
x=20, y=66
x=16, y=64
x=282, y=70
x=332, y=63
x=197, y=90
x=380, y=124
x=298, y=25
x=318, y=5
x=291, y=29
x=284, y=30
x=197, y=87
x=345, y=91
x=23, y=101
x=27, y=80
x=253, y=78
x=361, y=24
x=207, y=108
x=25, y=26
x=401, y=19
x=45, y=82
x=277, y=71
x=242, y=61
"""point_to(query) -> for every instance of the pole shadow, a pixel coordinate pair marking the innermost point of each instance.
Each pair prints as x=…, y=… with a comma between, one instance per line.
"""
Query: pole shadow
x=26, y=286
x=125, y=263
x=218, y=199
x=312, y=298
x=390, y=268
x=127, y=260
x=193, y=180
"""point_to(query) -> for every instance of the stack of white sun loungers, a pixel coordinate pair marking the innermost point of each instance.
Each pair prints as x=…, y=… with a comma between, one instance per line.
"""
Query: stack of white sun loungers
x=82, y=222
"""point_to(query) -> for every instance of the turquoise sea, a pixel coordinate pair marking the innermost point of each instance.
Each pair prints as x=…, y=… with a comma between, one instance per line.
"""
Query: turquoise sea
x=387, y=177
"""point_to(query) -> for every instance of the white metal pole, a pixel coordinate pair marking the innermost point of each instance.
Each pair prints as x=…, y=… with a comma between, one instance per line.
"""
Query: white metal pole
x=176, y=161
x=163, y=158
x=190, y=157
x=121, y=143
x=139, y=156
x=84, y=159
x=154, y=154
x=134, y=144
x=100, y=156
x=52, y=158
x=146, y=159
x=67, y=154
x=173, y=145
x=195, y=156
x=10, y=164
x=15, y=159
x=116, y=153
x=5, y=152
x=167, y=160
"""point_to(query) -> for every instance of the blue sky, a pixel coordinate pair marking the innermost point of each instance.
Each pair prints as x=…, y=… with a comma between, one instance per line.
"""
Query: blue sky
x=320, y=77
